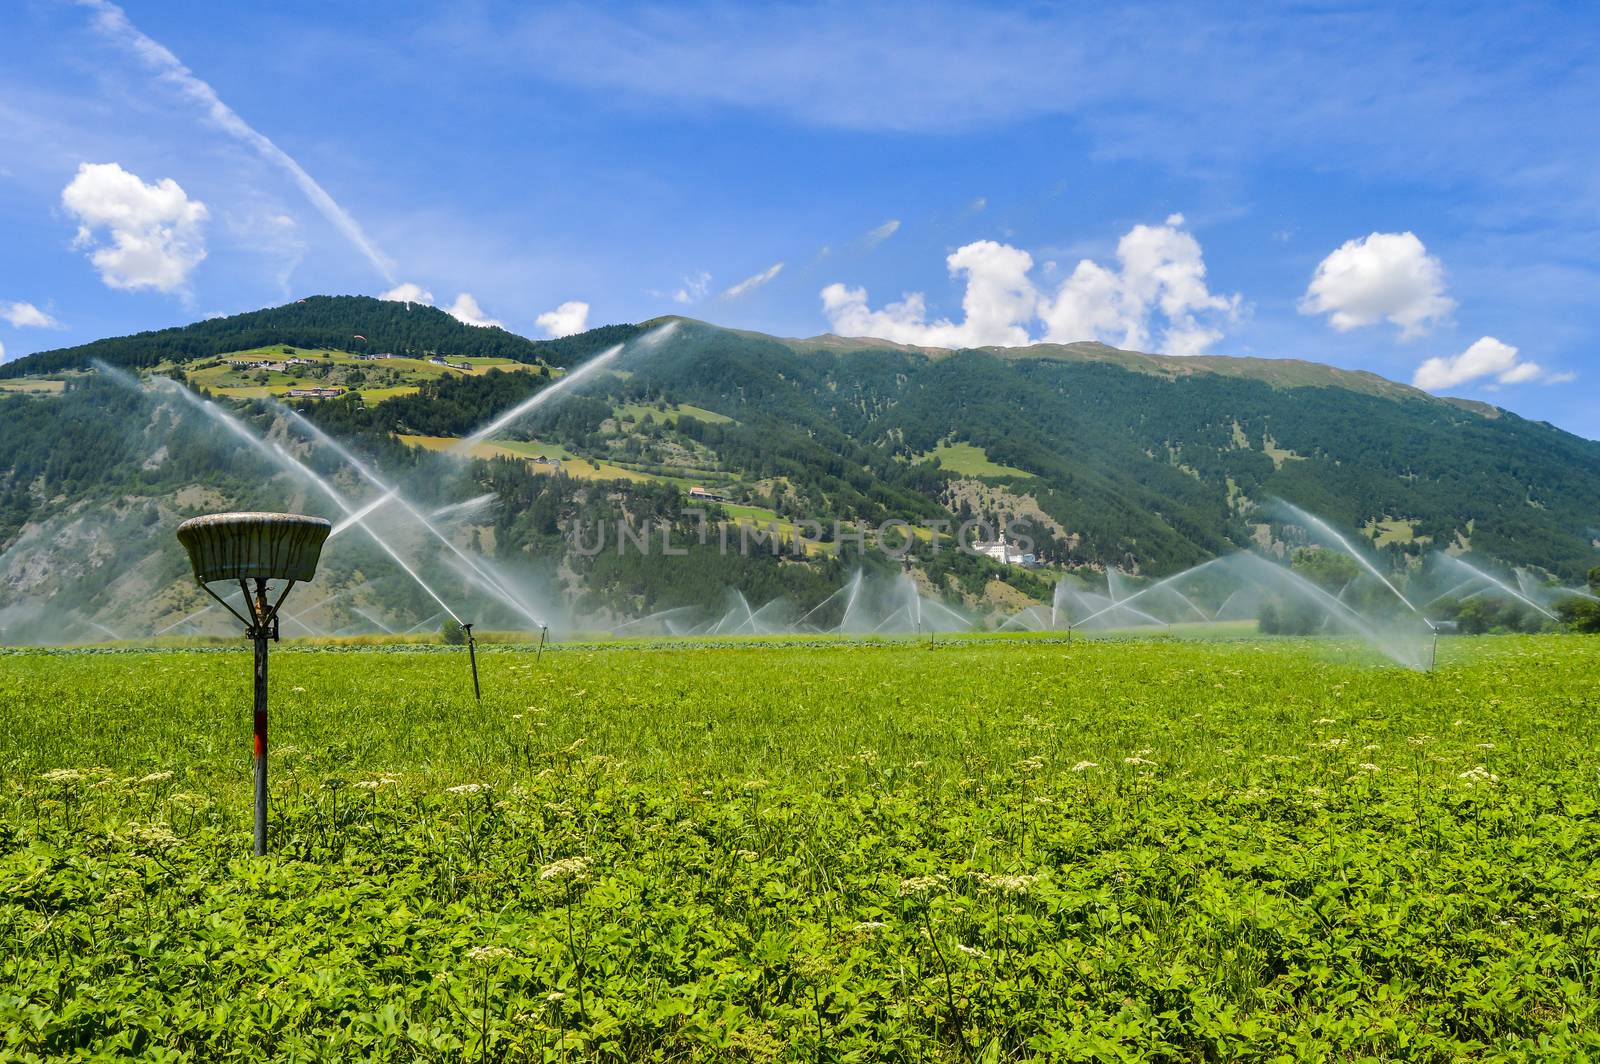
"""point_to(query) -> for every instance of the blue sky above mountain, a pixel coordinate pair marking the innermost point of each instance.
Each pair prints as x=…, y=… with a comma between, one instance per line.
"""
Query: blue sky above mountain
x=1414, y=193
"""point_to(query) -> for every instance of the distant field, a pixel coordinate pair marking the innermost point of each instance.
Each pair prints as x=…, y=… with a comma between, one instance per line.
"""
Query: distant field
x=986, y=850
x=1391, y=531
x=388, y=377
x=969, y=460
x=33, y=386
x=571, y=465
x=633, y=412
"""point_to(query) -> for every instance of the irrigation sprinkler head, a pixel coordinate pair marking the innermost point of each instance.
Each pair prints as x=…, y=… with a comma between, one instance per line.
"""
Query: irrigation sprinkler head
x=257, y=547
x=254, y=546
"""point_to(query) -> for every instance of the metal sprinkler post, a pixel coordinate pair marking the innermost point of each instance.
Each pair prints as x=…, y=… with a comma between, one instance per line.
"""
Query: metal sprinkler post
x=257, y=547
x=472, y=656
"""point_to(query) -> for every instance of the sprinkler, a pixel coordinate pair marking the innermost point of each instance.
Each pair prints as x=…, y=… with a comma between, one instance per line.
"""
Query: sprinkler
x=255, y=547
x=472, y=656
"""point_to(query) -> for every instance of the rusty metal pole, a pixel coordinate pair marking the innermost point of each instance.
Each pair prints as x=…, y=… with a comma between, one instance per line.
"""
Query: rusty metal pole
x=260, y=630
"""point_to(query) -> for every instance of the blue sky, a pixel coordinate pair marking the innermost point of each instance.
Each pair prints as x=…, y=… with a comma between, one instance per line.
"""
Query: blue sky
x=1415, y=193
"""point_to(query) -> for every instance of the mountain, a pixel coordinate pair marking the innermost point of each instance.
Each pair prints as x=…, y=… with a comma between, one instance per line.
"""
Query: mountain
x=374, y=325
x=1114, y=458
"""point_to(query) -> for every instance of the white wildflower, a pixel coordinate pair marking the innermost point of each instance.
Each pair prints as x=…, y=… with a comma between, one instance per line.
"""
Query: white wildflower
x=1084, y=766
x=1479, y=774
x=1017, y=884
x=156, y=837
x=971, y=951
x=155, y=777
x=921, y=884
x=566, y=868
x=466, y=788
x=487, y=955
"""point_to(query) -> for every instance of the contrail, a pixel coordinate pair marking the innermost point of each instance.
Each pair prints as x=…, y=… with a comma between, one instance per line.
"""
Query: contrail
x=112, y=22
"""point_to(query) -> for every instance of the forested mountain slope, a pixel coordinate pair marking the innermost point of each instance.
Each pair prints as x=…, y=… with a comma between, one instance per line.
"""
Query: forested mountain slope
x=1146, y=463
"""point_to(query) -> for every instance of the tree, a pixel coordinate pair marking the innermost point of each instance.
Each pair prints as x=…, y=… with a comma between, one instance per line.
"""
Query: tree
x=1580, y=614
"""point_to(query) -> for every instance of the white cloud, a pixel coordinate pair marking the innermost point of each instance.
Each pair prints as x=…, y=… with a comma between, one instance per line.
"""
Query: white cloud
x=153, y=231
x=570, y=317
x=1161, y=269
x=112, y=22
x=1381, y=277
x=751, y=283
x=1487, y=357
x=878, y=234
x=1159, y=278
x=695, y=287
x=1564, y=377
x=408, y=292
x=26, y=315
x=465, y=309
x=998, y=303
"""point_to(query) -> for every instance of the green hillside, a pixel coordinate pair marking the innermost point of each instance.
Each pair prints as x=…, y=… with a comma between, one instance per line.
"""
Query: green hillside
x=1114, y=458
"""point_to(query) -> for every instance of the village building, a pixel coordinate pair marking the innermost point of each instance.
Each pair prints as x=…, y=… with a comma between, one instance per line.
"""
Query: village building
x=1005, y=552
x=703, y=494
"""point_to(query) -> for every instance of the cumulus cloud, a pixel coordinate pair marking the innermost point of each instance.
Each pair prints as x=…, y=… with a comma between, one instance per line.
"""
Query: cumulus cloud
x=408, y=292
x=113, y=23
x=999, y=300
x=751, y=283
x=1157, y=282
x=465, y=309
x=695, y=287
x=152, y=235
x=1381, y=277
x=26, y=315
x=1161, y=270
x=570, y=317
x=1488, y=357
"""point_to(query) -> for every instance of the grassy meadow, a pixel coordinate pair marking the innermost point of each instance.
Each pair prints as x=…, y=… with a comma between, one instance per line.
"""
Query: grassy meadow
x=992, y=849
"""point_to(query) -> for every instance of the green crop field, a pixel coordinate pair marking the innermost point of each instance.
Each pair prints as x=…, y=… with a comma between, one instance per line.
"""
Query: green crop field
x=990, y=849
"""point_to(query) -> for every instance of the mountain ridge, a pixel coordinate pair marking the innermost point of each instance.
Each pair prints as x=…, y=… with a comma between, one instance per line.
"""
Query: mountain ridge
x=207, y=339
